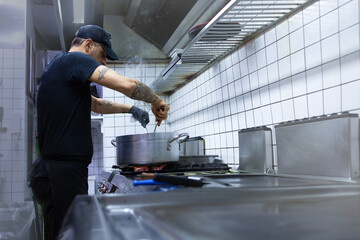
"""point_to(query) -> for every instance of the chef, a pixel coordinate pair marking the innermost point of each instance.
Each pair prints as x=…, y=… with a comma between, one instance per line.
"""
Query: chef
x=63, y=106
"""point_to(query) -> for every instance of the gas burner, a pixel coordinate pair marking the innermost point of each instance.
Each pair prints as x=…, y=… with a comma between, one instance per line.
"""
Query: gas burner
x=173, y=167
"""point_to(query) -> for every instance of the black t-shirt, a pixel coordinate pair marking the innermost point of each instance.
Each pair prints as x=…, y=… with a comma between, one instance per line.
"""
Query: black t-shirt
x=63, y=108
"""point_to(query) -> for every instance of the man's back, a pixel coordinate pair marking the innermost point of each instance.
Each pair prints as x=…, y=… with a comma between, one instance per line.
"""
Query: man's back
x=63, y=108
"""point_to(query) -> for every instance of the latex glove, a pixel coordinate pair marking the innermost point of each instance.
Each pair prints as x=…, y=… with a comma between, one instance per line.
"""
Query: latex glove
x=140, y=115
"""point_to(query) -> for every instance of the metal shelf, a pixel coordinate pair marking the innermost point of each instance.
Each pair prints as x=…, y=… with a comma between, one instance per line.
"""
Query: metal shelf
x=238, y=21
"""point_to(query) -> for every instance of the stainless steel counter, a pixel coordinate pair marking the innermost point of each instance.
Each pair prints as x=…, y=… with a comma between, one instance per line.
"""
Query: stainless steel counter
x=253, y=207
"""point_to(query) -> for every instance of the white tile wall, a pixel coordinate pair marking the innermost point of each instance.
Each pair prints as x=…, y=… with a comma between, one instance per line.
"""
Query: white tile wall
x=12, y=139
x=307, y=65
x=97, y=162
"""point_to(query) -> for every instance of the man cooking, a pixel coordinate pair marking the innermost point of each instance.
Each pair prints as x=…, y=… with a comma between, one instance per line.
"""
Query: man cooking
x=64, y=120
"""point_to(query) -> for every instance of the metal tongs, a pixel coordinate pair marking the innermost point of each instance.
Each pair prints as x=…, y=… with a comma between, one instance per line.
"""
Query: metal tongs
x=163, y=109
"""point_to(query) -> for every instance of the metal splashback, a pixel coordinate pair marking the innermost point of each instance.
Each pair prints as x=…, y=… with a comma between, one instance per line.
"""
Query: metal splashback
x=320, y=146
x=221, y=36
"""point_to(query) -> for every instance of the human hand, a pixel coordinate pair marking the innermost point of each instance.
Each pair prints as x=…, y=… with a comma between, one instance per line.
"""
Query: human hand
x=140, y=115
x=160, y=110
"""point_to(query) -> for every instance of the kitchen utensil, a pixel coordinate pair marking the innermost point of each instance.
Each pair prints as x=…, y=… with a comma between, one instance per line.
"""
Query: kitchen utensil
x=147, y=182
x=175, y=180
x=193, y=146
x=148, y=148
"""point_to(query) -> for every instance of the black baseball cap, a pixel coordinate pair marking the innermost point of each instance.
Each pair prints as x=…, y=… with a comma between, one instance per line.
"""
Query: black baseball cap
x=99, y=35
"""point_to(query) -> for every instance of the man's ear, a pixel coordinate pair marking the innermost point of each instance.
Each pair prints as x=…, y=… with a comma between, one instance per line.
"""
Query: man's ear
x=88, y=44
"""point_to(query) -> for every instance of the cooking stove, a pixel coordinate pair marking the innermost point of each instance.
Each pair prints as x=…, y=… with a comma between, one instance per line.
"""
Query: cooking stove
x=120, y=178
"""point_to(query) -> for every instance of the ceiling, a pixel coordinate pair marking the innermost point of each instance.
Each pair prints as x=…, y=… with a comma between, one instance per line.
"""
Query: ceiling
x=141, y=29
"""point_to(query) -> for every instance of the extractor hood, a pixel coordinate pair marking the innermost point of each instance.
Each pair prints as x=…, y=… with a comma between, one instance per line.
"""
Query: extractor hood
x=141, y=30
x=235, y=24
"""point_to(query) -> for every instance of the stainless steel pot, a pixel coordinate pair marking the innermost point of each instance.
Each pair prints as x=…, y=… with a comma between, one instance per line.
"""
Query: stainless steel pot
x=148, y=148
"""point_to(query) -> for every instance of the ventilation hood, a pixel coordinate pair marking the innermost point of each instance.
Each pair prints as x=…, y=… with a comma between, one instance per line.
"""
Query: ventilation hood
x=147, y=30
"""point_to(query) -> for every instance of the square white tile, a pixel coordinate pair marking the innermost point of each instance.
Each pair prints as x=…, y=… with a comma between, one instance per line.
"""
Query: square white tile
x=311, y=13
x=236, y=71
x=273, y=72
x=242, y=120
x=263, y=77
x=286, y=89
x=274, y=90
x=261, y=59
x=247, y=101
x=329, y=24
x=244, y=68
x=349, y=14
x=331, y=74
x=245, y=84
x=312, y=32
x=314, y=79
x=254, y=81
x=298, y=84
x=270, y=36
x=250, y=48
x=284, y=67
x=283, y=47
x=260, y=42
x=282, y=29
x=313, y=55
x=276, y=112
x=297, y=40
x=271, y=53
x=238, y=87
x=255, y=96
x=297, y=62
x=296, y=21
x=300, y=107
x=258, y=120
x=330, y=48
x=240, y=103
x=252, y=63
x=315, y=103
x=327, y=6
x=242, y=53
x=332, y=100
x=350, y=96
x=288, y=110
x=266, y=115
x=349, y=40
x=350, y=69
x=249, y=119
x=264, y=95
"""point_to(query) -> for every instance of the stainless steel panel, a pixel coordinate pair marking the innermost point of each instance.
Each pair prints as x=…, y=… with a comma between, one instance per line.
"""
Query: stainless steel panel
x=299, y=209
x=326, y=146
x=255, y=150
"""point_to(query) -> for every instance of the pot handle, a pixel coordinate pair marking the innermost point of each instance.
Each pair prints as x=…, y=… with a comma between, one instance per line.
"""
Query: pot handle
x=183, y=136
x=113, y=142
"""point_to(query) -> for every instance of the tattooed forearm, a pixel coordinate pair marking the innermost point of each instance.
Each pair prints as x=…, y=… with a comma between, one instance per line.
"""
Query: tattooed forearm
x=102, y=73
x=144, y=93
x=105, y=103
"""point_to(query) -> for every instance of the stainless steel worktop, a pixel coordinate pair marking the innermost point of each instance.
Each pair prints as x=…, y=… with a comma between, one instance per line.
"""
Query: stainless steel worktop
x=253, y=207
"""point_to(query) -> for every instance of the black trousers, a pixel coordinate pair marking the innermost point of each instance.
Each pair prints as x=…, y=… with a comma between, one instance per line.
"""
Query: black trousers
x=42, y=194
x=56, y=192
